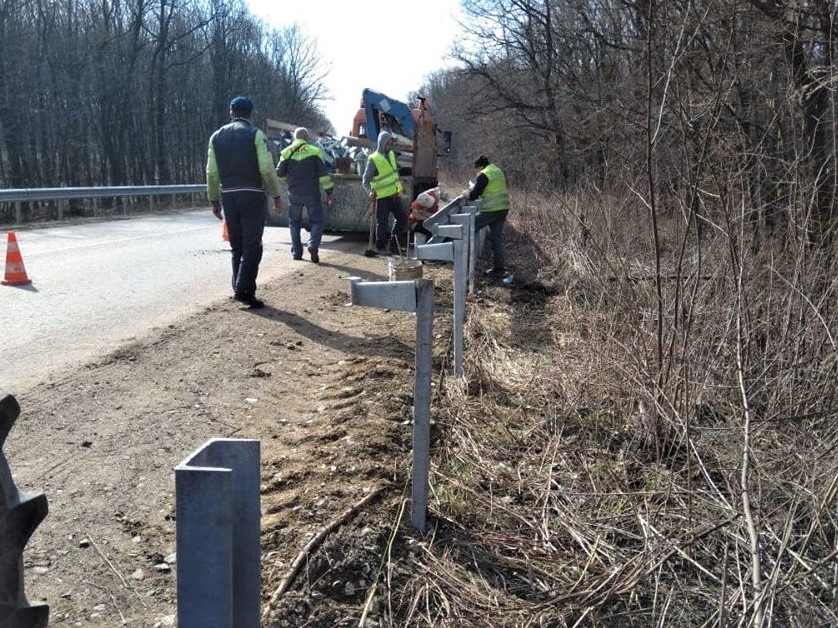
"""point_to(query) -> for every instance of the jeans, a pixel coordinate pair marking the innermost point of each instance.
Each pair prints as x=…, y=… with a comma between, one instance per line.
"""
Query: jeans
x=495, y=222
x=245, y=214
x=383, y=208
x=314, y=207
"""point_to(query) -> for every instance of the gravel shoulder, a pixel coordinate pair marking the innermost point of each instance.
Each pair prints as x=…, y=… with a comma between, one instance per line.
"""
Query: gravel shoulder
x=326, y=388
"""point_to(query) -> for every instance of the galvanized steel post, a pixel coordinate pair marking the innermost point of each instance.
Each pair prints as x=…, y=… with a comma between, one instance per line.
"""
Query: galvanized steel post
x=217, y=535
x=410, y=296
x=470, y=211
x=452, y=251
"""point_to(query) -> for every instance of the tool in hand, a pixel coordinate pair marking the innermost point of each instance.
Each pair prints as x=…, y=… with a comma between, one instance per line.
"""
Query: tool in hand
x=370, y=252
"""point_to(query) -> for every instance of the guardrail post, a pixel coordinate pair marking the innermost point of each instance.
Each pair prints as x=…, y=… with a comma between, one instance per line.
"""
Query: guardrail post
x=18, y=213
x=60, y=209
x=467, y=220
x=452, y=251
x=217, y=535
x=410, y=296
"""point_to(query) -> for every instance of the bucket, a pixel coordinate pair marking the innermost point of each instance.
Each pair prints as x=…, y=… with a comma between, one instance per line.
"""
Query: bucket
x=402, y=269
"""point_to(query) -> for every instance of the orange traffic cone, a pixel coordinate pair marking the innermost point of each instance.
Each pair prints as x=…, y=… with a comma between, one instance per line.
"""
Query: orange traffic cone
x=225, y=237
x=15, y=272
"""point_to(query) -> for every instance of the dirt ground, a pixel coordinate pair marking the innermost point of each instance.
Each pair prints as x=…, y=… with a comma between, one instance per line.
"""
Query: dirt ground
x=327, y=389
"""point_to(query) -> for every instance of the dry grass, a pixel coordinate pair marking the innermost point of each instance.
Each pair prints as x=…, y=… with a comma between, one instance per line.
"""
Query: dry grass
x=592, y=465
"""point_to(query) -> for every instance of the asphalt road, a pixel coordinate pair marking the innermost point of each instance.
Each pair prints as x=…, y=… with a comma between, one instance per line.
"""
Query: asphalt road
x=98, y=285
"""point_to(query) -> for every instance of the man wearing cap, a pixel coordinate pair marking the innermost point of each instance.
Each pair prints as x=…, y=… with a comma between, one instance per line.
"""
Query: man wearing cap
x=301, y=166
x=381, y=182
x=490, y=187
x=239, y=169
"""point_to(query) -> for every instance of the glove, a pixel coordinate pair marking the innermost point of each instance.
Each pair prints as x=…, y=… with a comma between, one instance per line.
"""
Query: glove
x=278, y=204
x=216, y=209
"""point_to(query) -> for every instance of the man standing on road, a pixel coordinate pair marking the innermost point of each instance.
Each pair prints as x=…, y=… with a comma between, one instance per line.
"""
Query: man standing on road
x=382, y=184
x=239, y=168
x=490, y=188
x=301, y=166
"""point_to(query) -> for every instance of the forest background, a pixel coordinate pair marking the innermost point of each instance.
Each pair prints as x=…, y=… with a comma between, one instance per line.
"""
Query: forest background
x=674, y=174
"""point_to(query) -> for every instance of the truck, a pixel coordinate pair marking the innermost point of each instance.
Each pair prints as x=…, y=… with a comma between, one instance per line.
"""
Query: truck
x=417, y=147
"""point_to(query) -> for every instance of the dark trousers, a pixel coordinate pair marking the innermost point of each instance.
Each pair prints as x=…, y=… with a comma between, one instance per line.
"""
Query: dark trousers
x=245, y=213
x=495, y=222
x=383, y=208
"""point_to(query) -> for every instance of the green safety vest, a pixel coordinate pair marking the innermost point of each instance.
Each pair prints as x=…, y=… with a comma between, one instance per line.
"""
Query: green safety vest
x=386, y=182
x=495, y=196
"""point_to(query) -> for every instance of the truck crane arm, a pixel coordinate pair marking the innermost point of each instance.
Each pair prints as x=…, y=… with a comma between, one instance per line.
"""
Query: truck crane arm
x=382, y=111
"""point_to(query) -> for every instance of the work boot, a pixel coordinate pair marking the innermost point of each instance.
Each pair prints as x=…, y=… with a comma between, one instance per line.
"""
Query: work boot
x=315, y=257
x=249, y=300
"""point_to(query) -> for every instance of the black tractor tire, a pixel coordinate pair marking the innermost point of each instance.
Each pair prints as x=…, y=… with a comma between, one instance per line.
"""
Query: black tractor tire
x=20, y=514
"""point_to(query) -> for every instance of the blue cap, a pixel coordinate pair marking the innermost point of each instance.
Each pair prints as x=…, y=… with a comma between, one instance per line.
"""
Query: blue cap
x=241, y=105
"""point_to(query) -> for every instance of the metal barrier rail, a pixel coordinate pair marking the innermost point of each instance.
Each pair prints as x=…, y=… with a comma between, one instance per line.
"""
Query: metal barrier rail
x=123, y=192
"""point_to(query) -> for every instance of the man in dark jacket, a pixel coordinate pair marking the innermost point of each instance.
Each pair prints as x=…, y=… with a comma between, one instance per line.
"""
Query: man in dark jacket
x=301, y=166
x=239, y=168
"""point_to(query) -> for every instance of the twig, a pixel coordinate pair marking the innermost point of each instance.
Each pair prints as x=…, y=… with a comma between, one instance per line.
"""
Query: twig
x=112, y=596
x=113, y=569
x=751, y=524
x=295, y=566
x=387, y=558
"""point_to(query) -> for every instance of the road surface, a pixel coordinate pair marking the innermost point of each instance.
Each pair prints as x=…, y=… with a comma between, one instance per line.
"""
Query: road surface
x=98, y=285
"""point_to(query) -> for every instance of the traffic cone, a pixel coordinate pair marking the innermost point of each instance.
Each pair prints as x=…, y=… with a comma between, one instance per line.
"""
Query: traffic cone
x=225, y=237
x=15, y=272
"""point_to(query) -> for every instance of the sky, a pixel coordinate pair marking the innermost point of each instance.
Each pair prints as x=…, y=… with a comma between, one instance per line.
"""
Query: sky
x=352, y=40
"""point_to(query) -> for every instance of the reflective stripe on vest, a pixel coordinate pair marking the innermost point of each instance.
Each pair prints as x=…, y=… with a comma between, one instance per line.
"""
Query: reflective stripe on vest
x=495, y=196
x=386, y=182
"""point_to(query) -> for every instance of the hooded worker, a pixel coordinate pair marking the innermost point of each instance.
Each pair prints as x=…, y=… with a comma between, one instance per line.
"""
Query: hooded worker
x=382, y=185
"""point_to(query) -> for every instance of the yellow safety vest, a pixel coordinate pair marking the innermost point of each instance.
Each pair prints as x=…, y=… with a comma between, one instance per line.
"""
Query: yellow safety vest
x=495, y=196
x=386, y=182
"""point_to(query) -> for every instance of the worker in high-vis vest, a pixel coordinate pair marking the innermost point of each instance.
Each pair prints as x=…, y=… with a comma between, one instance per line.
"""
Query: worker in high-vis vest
x=382, y=185
x=302, y=169
x=240, y=170
x=490, y=188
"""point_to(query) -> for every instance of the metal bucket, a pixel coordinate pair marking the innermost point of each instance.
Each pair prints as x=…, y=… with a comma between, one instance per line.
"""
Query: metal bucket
x=402, y=269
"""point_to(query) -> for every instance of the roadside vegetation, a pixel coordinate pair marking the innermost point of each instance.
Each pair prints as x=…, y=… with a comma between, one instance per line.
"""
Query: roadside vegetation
x=646, y=431
x=608, y=461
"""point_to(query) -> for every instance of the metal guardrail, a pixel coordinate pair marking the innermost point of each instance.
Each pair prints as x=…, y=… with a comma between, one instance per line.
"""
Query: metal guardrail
x=62, y=196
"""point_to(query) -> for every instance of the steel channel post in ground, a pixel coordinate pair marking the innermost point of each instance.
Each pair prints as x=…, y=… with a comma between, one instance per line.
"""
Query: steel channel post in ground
x=472, y=241
x=410, y=296
x=217, y=535
x=452, y=251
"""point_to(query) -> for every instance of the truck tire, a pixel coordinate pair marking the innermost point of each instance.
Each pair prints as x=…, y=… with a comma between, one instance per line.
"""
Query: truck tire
x=20, y=514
